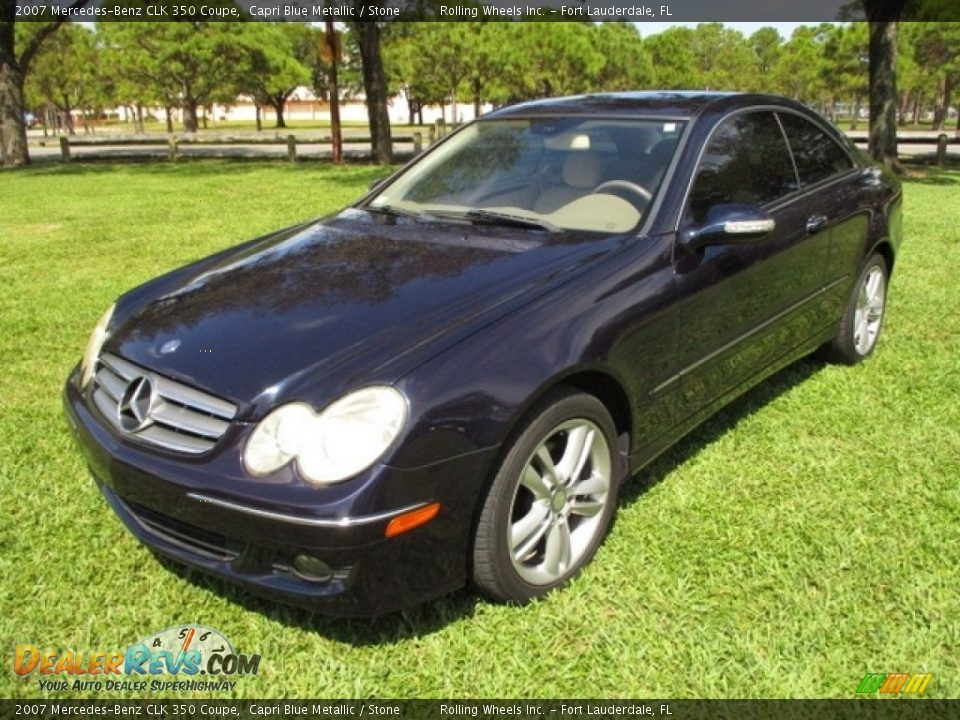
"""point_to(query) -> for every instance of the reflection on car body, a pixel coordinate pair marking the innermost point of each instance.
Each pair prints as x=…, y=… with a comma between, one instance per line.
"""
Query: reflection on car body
x=448, y=381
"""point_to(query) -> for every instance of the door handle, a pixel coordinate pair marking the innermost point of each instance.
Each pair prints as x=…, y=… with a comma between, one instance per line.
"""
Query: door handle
x=816, y=223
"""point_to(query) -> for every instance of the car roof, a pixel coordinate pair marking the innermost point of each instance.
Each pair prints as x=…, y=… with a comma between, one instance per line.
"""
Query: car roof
x=679, y=104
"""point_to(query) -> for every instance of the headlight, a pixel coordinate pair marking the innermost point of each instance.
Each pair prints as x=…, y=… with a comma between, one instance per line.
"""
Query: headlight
x=333, y=445
x=89, y=362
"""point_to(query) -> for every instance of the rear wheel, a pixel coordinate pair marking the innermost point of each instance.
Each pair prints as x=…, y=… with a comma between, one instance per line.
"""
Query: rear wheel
x=863, y=317
x=551, y=501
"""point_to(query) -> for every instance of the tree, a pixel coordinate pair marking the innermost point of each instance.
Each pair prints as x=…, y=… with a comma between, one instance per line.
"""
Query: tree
x=369, y=36
x=274, y=64
x=883, y=93
x=627, y=65
x=883, y=16
x=66, y=74
x=912, y=79
x=483, y=63
x=332, y=44
x=430, y=62
x=411, y=68
x=14, y=66
x=133, y=52
x=674, y=62
x=936, y=48
x=846, y=72
x=799, y=70
x=766, y=45
x=186, y=64
x=191, y=64
x=724, y=58
x=549, y=59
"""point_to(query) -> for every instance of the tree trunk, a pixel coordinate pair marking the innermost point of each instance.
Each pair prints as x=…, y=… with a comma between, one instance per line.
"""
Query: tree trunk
x=940, y=106
x=277, y=106
x=190, y=114
x=375, y=88
x=902, y=103
x=336, y=134
x=169, y=118
x=256, y=107
x=138, y=120
x=917, y=107
x=855, y=117
x=13, y=129
x=947, y=97
x=883, y=93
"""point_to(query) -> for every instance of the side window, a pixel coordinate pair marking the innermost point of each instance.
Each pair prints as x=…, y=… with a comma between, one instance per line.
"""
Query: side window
x=746, y=161
x=817, y=155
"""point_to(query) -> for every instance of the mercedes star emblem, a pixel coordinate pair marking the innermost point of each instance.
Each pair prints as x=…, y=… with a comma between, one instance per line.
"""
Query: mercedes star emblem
x=136, y=405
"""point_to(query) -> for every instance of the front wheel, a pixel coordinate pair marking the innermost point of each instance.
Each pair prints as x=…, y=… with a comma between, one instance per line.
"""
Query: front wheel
x=551, y=501
x=863, y=317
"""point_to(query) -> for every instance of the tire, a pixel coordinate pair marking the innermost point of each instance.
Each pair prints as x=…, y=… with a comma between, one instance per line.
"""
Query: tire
x=534, y=533
x=863, y=317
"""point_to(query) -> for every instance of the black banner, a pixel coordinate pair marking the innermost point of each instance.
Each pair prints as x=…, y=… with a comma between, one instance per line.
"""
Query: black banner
x=881, y=709
x=812, y=11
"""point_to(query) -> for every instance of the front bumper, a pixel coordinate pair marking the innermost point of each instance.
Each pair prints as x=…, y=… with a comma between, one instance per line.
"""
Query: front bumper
x=171, y=504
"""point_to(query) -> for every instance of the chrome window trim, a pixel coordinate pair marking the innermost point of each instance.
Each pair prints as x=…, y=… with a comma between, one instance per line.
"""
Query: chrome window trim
x=783, y=200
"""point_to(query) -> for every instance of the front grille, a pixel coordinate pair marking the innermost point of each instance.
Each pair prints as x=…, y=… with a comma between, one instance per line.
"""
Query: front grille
x=175, y=416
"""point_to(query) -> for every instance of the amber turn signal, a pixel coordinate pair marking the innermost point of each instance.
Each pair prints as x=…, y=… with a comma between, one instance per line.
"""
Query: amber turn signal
x=411, y=520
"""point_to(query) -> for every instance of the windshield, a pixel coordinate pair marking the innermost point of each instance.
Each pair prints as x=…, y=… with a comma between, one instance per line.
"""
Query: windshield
x=579, y=173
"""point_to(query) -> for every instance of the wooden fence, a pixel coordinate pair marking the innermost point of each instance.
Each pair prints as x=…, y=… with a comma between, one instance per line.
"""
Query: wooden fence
x=174, y=143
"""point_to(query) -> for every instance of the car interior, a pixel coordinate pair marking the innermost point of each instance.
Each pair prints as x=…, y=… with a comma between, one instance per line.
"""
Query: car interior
x=598, y=175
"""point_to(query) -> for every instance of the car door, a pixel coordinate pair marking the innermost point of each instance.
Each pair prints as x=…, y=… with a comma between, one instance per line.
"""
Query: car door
x=834, y=186
x=742, y=306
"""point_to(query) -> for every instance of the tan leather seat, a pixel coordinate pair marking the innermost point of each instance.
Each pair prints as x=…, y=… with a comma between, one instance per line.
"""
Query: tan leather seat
x=582, y=171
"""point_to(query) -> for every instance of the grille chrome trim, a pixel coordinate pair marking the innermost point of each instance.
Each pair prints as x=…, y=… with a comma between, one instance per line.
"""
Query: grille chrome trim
x=170, y=389
x=183, y=419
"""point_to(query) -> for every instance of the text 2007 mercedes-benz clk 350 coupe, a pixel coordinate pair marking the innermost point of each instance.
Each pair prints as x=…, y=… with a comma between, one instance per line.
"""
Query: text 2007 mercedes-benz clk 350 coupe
x=447, y=381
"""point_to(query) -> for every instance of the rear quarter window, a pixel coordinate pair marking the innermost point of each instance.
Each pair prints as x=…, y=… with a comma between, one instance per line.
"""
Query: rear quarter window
x=817, y=155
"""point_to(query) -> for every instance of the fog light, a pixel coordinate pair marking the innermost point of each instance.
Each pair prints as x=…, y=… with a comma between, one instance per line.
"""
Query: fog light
x=312, y=568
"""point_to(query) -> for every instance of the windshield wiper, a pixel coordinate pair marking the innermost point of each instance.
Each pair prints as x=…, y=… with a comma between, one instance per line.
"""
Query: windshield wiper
x=394, y=211
x=494, y=217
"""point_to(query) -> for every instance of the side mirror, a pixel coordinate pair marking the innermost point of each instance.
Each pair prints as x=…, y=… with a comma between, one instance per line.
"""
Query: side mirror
x=731, y=225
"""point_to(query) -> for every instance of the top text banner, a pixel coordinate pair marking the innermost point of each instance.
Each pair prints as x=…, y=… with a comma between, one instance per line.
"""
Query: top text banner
x=488, y=10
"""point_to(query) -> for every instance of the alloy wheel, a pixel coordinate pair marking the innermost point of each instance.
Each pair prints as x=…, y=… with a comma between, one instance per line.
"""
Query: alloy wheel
x=558, y=507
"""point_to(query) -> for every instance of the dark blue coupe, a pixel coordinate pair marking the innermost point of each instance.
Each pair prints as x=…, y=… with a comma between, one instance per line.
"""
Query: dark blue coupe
x=447, y=382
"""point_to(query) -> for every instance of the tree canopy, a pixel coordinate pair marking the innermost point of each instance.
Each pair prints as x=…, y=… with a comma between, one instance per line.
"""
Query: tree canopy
x=190, y=65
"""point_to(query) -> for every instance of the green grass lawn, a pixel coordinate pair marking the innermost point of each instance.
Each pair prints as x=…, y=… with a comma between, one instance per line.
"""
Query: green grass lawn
x=806, y=535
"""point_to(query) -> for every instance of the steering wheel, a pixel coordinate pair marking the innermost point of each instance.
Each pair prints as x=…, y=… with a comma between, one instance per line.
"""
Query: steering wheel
x=630, y=188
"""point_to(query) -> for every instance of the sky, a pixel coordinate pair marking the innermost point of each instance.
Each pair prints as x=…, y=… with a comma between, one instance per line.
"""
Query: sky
x=747, y=28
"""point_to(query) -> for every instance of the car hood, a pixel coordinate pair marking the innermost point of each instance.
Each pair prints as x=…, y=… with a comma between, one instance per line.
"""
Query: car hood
x=353, y=299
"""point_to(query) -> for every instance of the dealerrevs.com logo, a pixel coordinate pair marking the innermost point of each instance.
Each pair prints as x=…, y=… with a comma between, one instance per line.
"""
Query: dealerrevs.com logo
x=186, y=657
